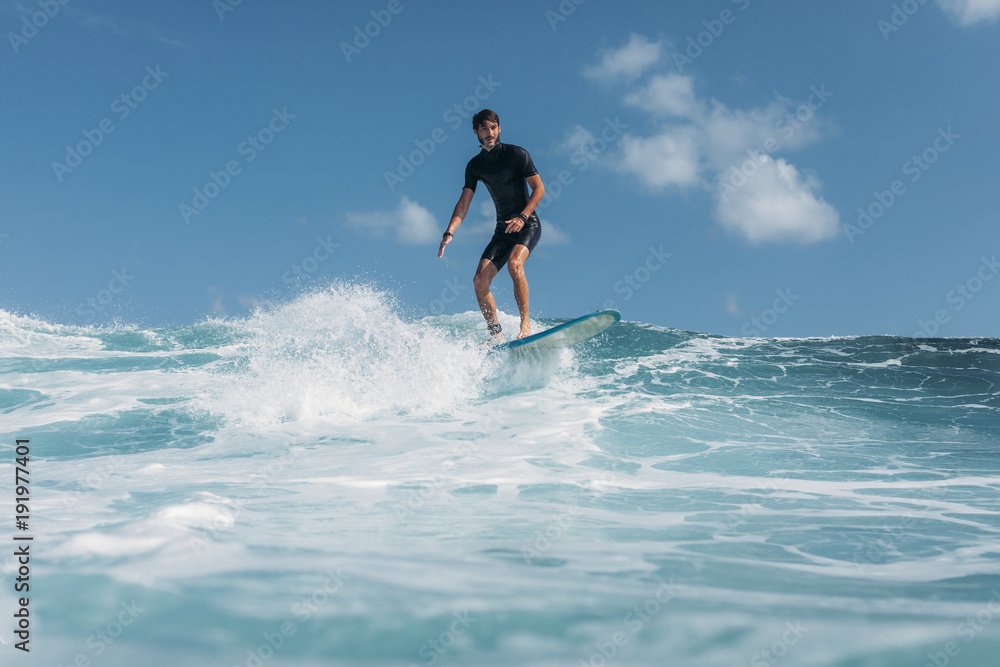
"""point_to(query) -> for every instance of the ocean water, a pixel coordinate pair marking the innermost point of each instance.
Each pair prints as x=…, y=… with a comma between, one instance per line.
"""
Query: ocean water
x=333, y=481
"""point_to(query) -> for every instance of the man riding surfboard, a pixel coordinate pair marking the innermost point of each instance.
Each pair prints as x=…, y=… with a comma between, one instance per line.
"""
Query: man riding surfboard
x=508, y=172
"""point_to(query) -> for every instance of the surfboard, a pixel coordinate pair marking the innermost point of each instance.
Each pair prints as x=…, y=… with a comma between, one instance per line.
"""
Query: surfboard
x=565, y=334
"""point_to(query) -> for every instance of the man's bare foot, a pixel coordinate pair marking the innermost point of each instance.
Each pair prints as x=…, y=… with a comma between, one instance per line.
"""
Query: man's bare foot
x=525, y=331
x=492, y=340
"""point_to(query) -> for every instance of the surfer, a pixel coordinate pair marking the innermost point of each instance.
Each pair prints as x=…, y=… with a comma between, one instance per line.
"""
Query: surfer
x=508, y=172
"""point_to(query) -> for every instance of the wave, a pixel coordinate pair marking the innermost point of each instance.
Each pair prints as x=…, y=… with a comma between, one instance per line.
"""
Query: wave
x=221, y=471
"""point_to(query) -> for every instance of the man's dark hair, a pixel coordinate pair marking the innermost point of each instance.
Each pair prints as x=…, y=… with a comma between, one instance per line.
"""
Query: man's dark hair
x=484, y=115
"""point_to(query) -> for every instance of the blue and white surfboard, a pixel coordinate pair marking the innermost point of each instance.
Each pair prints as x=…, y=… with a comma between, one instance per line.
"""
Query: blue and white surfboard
x=567, y=333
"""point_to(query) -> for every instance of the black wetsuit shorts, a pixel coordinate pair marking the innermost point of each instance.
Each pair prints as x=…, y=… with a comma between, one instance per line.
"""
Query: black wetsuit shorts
x=502, y=244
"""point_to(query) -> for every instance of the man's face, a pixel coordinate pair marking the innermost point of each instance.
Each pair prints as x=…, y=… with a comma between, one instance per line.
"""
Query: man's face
x=488, y=133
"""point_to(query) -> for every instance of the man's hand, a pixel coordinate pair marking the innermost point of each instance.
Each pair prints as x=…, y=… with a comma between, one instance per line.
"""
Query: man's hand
x=514, y=225
x=445, y=240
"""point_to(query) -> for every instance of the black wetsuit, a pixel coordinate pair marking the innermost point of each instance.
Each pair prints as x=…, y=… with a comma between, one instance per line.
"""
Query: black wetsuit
x=504, y=170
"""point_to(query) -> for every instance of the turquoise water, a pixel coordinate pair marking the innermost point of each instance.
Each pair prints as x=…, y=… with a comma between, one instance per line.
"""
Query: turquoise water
x=333, y=482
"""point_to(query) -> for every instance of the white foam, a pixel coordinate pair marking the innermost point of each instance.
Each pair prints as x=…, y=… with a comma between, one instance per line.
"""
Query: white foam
x=345, y=354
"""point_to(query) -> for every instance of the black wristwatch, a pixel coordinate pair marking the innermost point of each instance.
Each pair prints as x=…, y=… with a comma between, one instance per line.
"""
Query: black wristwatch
x=523, y=219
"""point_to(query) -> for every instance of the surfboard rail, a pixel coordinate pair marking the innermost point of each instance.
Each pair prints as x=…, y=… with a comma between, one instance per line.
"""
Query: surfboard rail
x=565, y=334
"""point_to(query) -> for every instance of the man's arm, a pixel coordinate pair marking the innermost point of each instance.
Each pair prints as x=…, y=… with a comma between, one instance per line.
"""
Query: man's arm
x=461, y=210
x=537, y=192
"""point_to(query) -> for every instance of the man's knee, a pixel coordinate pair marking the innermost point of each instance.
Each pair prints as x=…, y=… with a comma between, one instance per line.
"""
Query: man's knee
x=516, y=267
x=481, y=282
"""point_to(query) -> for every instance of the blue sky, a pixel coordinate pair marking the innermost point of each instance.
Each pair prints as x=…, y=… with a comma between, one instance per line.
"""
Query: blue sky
x=736, y=167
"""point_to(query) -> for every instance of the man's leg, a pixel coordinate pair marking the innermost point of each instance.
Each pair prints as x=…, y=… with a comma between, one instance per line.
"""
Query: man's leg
x=484, y=277
x=516, y=267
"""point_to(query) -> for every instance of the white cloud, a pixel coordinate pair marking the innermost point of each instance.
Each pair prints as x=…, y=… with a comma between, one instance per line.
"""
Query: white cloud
x=967, y=12
x=410, y=223
x=672, y=95
x=732, y=305
x=730, y=133
x=416, y=224
x=553, y=235
x=725, y=134
x=710, y=138
x=579, y=139
x=776, y=204
x=671, y=158
x=697, y=141
x=627, y=62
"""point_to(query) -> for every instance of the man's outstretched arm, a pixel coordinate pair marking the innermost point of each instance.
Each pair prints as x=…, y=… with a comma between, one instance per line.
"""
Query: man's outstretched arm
x=461, y=210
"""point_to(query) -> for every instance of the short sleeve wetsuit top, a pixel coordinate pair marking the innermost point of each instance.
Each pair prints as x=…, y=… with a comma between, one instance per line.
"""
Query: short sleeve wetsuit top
x=504, y=170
